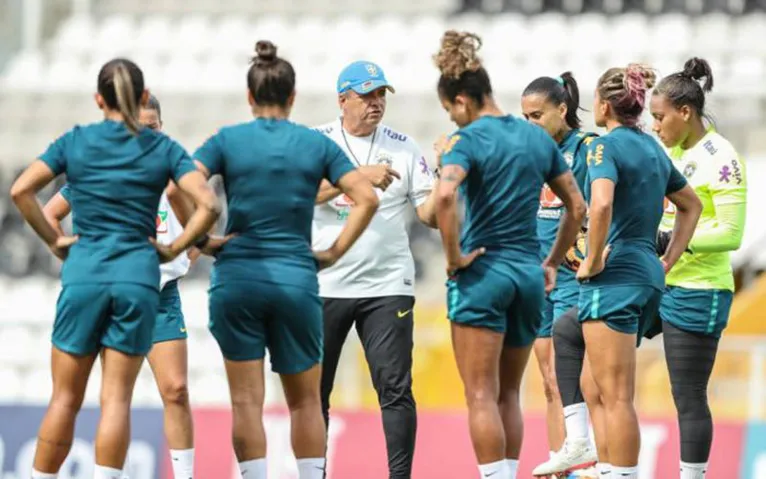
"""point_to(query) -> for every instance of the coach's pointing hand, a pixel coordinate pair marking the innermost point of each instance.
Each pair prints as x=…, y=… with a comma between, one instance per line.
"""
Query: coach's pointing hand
x=381, y=176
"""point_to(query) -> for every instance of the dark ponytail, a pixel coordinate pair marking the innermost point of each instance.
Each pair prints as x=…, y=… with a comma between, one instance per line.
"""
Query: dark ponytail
x=559, y=90
x=121, y=84
x=688, y=87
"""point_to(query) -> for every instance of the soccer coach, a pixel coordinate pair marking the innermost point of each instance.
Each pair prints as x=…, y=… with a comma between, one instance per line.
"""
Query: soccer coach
x=372, y=286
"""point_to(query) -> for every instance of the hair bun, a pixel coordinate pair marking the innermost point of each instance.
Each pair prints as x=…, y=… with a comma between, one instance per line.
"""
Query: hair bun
x=698, y=69
x=458, y=53
x=265, y=52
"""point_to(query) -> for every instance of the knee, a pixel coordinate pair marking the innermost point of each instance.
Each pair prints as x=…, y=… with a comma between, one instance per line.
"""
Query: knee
x=482, y=396
x=509, y=399
x=690, y=402
x=175, y=393
x=590, y=392
x=66, y=403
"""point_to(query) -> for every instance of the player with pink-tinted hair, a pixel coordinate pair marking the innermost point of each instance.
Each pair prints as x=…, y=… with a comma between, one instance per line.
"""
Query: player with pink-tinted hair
x=622, y=279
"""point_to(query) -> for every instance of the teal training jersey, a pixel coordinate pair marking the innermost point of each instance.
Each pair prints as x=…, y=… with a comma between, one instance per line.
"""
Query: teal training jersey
x=642, y=174
x=507, y=161
x=271, y=171
x=115, y=181
x=574, y=148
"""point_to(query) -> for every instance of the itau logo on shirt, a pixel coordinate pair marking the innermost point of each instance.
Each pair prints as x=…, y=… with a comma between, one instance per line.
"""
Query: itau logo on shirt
x=162, y=221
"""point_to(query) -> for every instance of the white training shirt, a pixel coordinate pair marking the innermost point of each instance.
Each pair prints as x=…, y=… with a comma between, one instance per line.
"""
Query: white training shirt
x=380, y=262
x=168, y=229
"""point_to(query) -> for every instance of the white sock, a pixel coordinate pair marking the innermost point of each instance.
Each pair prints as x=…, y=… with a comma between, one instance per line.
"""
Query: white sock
x=604, y=470
x=495, y=470
x=619, y=472
x=44, y=475
x=693, y=471
x=513, y=466
x=551, y=454
x=253, y=469
x=183, y=463
x=576, y=421
x=103, y=472
x=311, y=468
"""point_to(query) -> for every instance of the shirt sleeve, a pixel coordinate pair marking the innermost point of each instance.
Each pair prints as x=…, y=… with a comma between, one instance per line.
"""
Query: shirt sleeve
x=421, y=178
x=601, y=162
x=66, y=193
x=180, y=161
x=723, y=234
x=729, y=185
x=458, y=151
x=337, y=163
x=676, y=180
x=210, y=154
x=55, y=155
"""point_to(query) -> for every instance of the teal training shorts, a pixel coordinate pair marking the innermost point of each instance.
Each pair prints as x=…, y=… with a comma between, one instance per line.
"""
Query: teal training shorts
x=704, y=311
x=248, y=317
x=170, y=325
x=501, y=297
x=626, y=309
x=118, y=316
x=557, y=303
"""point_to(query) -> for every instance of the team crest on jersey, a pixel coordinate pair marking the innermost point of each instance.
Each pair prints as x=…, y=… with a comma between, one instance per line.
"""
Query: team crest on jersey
x=689, y=169
x=162, y=221
x=384, y=159
x=372, y=70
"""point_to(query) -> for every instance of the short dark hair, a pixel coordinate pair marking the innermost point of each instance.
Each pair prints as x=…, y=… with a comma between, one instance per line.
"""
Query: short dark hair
x=559, y=90
x=684, y=89
x=271, y=80
x=154, y=104
x=461, y=69
x=121, y=84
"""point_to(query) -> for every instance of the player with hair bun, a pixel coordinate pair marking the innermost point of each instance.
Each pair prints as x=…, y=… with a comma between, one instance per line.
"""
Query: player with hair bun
x=699, y=292
x=264, y=291
x=111, y=273
x=496, y=287
x=629, y=175
x=552, y=103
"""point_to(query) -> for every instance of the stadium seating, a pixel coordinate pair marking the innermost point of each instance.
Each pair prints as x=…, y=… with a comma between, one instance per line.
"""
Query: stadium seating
x=196, y=64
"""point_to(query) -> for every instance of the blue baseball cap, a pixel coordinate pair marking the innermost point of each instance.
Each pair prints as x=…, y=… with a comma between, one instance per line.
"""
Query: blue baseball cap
x=362, y=77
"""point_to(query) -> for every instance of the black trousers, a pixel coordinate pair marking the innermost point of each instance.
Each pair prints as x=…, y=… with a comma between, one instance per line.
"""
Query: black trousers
x=384, y=326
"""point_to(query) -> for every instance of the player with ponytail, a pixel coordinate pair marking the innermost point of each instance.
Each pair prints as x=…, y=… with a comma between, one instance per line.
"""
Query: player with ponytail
x=552, y=103
x=496, y=288
x=699, y=292
x=629, y=175
x=116, y=171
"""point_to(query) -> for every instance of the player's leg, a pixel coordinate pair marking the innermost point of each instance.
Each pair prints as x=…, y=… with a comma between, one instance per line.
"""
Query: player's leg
x=294, y=339
x=569, y=349
x=693, y=321
x=478, y=301
x=385, y=327
x=338, y=317
x=592, y=397
x=80, y=312
x=611, y=317
x=126, y=339
x=169, y=363
x=545, y=360
x=237, y=323
x=513, y=362
x=477, y=354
